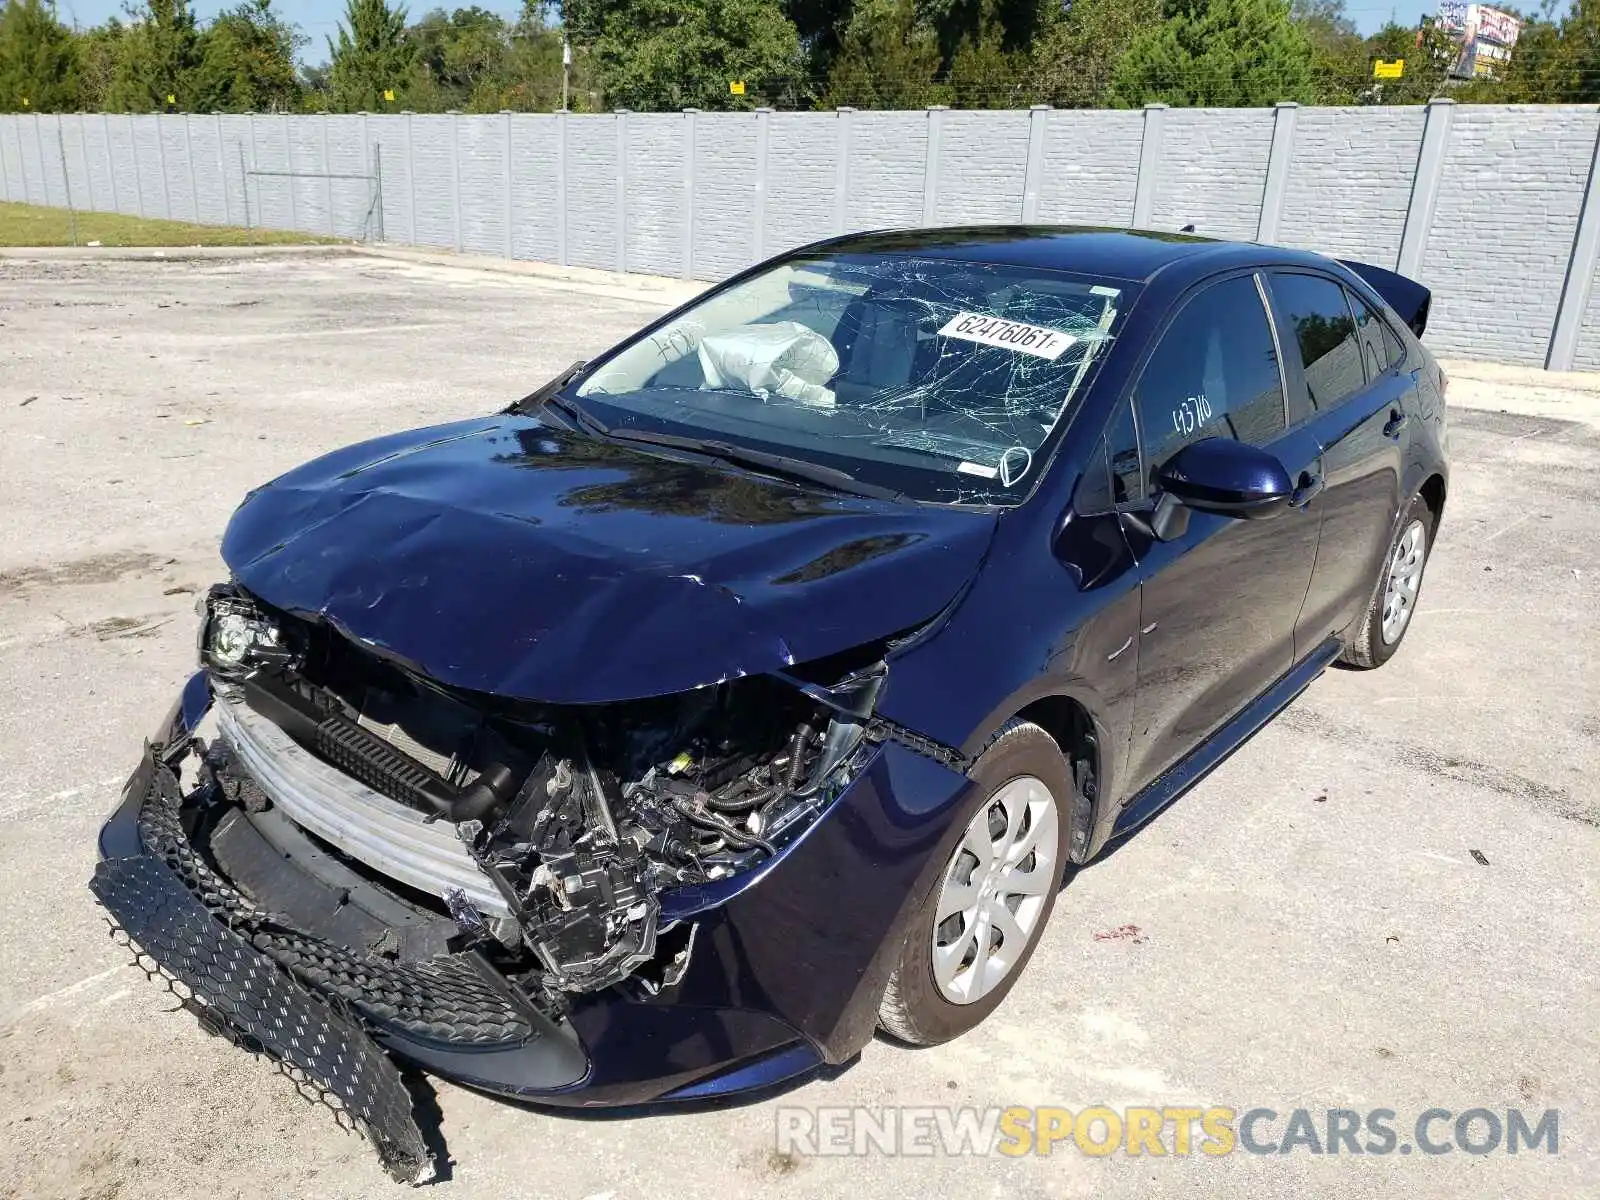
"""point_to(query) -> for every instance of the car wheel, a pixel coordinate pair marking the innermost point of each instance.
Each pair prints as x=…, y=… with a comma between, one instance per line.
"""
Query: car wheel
x=975, y=932
x=1394, y=599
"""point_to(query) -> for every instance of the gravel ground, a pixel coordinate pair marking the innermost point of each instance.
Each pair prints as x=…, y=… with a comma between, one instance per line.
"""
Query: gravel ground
x=1312, y=926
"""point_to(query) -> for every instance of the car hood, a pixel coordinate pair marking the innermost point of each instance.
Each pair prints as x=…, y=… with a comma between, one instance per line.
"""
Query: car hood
x=504, y=556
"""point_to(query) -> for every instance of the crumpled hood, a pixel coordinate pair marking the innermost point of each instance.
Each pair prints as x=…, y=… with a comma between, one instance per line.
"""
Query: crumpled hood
x=503, y=556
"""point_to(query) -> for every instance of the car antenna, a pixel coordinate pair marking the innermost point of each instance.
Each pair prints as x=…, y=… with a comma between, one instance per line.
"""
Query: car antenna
x=1189, y=228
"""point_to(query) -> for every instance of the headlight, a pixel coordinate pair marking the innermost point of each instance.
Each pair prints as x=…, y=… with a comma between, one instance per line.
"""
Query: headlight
x=237, y=636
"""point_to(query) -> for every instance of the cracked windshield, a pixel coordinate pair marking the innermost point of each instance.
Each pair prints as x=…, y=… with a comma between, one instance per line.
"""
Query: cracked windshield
x=937, y=378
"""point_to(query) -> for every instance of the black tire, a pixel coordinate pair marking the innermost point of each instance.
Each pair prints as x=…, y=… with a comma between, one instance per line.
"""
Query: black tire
x=913, y=1009
x=1368, y=649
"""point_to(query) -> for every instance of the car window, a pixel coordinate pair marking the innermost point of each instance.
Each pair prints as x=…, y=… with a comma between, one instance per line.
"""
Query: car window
x=1379, y=346
x=1214, y=373
x=1112, y=477
x=1122, y=452
x=1330, y=351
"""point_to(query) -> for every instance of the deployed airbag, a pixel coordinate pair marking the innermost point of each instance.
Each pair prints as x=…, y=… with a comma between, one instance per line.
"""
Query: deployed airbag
x=783, y=358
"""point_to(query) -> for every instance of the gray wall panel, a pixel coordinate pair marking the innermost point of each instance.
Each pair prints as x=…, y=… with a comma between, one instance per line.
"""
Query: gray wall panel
x=724, y=192
x=207, y=178
x=173, y=132
x=353, y=199
x=12, y=175
x=535, y=199
x=656, y=143
x=592, y=191
x=982, y=159
x=1090, y=168
x=802, y=158
x=387, y=138
x=888, y=161
x=1212, y=170
x=1492, y=230
x=1503, y=226
x=481, y=169
x=433, y=165
x=1349, y=184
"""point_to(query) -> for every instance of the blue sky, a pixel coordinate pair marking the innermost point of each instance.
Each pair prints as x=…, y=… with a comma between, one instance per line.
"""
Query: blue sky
x=320, y=20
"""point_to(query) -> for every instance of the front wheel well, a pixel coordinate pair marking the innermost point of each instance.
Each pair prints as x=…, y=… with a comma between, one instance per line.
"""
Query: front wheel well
x=1073, y=729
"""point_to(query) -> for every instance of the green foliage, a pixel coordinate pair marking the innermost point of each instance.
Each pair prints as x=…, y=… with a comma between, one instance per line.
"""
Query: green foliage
x=1556, y=61
x=157, y=57
x=38, y=61
x=247, y=62
x=373, y=55
x=887, y=59
x=1428, y=52
x=1227, y=53
x=669, y=54
x=1073, y=61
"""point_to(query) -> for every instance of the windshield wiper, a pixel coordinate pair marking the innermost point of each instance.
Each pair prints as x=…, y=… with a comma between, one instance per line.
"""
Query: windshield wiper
x=549, y=396
x=776, y=464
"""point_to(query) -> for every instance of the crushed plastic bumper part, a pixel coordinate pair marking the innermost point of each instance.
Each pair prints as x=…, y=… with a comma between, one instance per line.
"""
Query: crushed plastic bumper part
x=241, y=994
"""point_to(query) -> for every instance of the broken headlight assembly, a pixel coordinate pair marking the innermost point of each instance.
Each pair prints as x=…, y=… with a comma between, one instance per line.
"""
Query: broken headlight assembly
x=580, y=817
x=236, y=635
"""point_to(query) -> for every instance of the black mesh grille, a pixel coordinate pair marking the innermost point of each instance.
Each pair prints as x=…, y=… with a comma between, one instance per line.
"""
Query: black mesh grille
x=443, y=1000
x=245, y=997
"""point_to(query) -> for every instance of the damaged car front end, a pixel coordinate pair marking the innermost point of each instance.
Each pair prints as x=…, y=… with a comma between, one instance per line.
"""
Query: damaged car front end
x=549, y=753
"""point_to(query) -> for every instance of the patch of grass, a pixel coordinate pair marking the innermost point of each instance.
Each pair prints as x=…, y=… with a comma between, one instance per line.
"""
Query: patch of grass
x=31, y=225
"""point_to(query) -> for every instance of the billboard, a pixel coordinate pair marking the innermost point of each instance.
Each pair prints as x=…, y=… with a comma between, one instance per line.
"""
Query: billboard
x=1487, y=36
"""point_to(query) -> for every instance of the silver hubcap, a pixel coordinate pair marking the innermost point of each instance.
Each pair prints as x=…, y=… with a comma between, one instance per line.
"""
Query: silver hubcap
x=995, y=889
x=1405, y=577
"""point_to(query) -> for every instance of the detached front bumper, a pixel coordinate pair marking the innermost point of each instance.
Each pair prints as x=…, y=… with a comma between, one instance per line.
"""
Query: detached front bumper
x=785, y=971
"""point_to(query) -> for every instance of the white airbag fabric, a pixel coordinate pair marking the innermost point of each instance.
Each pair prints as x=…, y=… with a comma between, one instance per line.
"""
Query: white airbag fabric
x=783, y=358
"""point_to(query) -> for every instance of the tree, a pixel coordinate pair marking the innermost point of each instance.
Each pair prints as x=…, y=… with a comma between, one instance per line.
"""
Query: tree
x=1340, y=71
x=157, y=57
x=1428, y=51
x=99, y=56
x=247, y=62
x=887, y=59
x=1556, y=61
x=669, y=54
x=38, y=65
x=984, y=73
x=372, y=55
x=533, y=66
x=1073, y=61
x=1230, y=53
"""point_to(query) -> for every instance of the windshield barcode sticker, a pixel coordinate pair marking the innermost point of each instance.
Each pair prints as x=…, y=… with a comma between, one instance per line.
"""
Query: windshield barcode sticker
x=1008, y=335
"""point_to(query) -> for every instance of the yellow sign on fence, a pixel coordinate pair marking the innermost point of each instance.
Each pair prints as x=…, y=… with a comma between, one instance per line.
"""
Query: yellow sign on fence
x=736, y=87
x=1391, y=68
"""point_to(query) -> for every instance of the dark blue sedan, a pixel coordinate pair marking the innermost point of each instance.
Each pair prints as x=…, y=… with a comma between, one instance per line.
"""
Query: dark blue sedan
x=757, y=684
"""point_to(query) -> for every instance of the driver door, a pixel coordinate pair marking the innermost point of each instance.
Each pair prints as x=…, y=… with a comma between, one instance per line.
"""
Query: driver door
x=1221, y=599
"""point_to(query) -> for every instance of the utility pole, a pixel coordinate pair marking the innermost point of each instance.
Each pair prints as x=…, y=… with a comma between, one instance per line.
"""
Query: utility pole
x=566, y=70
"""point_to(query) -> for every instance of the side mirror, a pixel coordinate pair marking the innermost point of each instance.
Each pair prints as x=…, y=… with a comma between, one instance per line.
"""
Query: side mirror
x=1229, y=478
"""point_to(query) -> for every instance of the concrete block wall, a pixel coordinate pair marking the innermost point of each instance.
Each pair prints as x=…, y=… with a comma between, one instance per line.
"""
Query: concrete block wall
x=1493, y=207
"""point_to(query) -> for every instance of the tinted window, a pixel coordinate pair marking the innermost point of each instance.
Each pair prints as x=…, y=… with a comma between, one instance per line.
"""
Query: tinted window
x=1213, y=374
x=1112, y=476
x=1379, y=345
x=1329, y=348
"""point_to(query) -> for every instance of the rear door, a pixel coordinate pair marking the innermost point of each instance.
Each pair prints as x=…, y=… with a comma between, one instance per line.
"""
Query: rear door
x=1347, y=389
x=1220, y=602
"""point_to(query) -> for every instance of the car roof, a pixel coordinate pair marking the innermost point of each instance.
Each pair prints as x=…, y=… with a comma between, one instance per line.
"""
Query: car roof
x=1131, y=254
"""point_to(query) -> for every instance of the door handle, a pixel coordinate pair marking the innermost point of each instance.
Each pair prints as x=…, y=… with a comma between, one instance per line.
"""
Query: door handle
x=1307, y=490
x=1397, y=422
